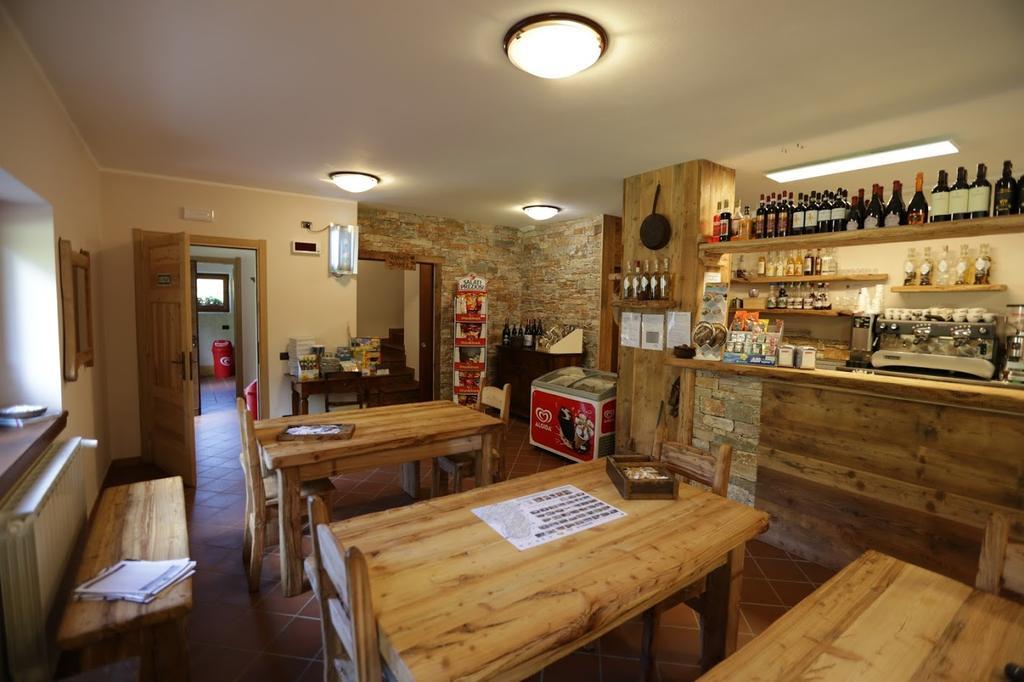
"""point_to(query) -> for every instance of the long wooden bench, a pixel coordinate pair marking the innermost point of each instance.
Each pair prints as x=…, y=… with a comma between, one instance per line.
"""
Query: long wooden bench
x=138, y=521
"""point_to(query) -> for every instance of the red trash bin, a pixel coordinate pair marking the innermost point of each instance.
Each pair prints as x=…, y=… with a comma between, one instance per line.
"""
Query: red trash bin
x=252, y=399
x=223, y=359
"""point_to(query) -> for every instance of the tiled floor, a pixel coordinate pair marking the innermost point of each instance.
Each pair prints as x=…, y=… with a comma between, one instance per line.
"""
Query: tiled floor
x=237, y=636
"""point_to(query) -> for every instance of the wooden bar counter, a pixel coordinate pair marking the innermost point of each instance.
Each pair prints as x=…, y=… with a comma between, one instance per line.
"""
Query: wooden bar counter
x=910, y=467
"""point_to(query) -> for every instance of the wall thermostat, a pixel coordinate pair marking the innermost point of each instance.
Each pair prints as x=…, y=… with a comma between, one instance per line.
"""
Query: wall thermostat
x=306, y=248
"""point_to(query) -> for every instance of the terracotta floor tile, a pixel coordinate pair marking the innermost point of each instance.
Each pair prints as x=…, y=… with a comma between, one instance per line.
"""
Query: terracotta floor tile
x=792, y=593
x=759, y=549
x=673, y=672
x=575, y=667
x=314, y=673
x=760, y=617
x=300, y=638
x=620, y=669
x=678, y=645
x=623, y=641
x=680, y=616
x=758, y=591
x=815, y=572
x=210, y=662
x=751, y=569
x=270, y=668
x=234, y=626
x=274, y=600
x=781, y=569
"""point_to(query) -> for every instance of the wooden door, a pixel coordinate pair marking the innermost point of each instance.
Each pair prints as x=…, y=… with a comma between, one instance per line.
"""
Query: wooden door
x=163, y=293
x=426, y=366
x=194, y=366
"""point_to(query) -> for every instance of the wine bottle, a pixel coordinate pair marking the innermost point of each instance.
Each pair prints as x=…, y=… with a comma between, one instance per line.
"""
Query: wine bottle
x=785, y=216
x=1006, y=192
x=506, y=335
x=958, y=196
x=799, y=213
x=896, y=210
x=839, y=210
x=853, y=220
x=760, y=220
x=725, y=221
x=875, y=214
x=811, y=214
x=825, y=212
x=772, y=217
x=917, y=212
x=716, y=224
x=940, y=198
x=980, y=194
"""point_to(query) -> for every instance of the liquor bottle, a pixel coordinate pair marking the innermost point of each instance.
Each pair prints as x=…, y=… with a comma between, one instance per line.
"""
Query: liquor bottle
x=808, y=268
x=910, y=268
x=506, y=335
x=1006, y=192
x=799, y=210
x=644, y=291
x=917, y=212
x=875, y=214
x=983, y=266
x=958, y=196
x=747, y=224
x=725, y=221
x=944, y=267
x=760, y=219
x=853, y=219
x=840, y=209
x=772, y=297
x=896, y=210
x=790, y=265
x=772, y=217
x=785, y=217
x=628, y=292
x=979, y=195
x=817, y=262
x=656, y=282
x=716, y=224
x=637, y=281
x=825, y=212
x=811, y=214
x=963, y=265
x=666, y=282
x=780, y=265
x=940, y=198
x=827, y=303
x=527, y=336
x=781, y=302
x=926, y=271
x=760, y=265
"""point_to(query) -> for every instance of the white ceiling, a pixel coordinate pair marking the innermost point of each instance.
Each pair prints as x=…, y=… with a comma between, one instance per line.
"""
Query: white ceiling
x=276, y=95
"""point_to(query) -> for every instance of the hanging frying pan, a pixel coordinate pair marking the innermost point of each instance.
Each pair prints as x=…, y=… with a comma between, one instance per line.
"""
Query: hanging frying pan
x=655, y=230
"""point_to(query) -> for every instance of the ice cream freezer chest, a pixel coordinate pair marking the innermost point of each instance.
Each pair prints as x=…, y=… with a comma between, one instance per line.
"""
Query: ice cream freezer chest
x=572, y=413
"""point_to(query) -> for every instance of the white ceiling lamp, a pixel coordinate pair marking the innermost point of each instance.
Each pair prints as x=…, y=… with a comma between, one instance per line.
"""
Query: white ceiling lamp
x=354, y=181
x=861, y=161
x=555, y=45
x=541, y=211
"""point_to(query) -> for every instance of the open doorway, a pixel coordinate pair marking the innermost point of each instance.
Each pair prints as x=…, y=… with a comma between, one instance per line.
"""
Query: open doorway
x=225, y=325
x=399, y=305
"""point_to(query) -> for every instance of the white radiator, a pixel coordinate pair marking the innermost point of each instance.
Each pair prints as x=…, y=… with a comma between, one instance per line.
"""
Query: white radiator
x=39, y=525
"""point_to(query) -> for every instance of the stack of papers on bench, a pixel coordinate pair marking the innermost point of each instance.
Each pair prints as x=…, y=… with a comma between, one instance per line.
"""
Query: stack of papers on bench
x=137, y=581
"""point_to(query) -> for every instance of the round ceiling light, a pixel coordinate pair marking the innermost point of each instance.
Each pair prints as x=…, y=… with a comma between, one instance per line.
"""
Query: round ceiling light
x=354, y=181
x=541, y=211
x=555, y=45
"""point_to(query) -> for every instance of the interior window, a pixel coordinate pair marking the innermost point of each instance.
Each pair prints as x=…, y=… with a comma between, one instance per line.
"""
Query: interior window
x=212, y=294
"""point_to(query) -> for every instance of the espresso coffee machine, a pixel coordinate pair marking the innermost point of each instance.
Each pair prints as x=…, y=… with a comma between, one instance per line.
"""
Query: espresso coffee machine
x=1013, y=369
x=966, y=350
x=863, y=341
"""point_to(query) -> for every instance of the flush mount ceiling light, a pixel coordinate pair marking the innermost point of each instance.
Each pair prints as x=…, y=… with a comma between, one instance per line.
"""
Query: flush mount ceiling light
x=555, y=45
x=861, y=161
x=541, y=211
x=354, y=181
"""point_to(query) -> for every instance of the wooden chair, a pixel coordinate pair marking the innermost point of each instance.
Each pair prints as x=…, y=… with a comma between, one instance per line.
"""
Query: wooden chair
x=261, y=499
x=348, y=624
x=707, y=468
x=460, y=466
x=1002, y=562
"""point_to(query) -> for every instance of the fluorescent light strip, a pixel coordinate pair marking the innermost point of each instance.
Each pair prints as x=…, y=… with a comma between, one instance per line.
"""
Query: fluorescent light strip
x=884, y=158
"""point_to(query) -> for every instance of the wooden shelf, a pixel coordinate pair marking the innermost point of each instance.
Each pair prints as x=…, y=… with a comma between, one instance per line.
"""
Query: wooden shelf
x=796, y=311
x=645, y=305
x=871, y=277
x=957, y=229
x=946, y=289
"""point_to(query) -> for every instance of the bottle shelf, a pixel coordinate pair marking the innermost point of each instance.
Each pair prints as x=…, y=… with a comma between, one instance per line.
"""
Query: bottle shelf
x=957, y=229
x=644, y=305
x=797, y=311
x=946, y=289
x=870, y=277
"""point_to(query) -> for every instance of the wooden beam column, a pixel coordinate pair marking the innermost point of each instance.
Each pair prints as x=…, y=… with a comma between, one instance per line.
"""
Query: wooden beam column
x=689, y=195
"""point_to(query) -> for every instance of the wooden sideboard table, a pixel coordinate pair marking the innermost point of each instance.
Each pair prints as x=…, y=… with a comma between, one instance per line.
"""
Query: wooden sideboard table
x=520, y=366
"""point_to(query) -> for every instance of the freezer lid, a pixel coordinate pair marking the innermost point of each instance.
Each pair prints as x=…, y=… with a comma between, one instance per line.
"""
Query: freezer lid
x=581, y=382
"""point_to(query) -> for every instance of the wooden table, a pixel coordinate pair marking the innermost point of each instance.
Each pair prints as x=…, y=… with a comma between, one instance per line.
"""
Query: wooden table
x=138, y=521
x=395, y=434
x=883, y=619
x=454, y=600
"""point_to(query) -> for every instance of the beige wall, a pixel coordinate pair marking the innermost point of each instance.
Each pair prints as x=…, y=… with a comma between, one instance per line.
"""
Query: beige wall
x=380, y=296
x=302, y=298
x=411, y=315
x=40, y=147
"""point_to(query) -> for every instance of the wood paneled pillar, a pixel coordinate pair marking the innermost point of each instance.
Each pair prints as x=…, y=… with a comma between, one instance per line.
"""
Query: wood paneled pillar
x=689, y=195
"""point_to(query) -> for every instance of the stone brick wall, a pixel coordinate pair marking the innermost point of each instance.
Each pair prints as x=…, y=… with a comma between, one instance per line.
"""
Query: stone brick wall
x=561, y=277
x=552, y=273
x=728, y=410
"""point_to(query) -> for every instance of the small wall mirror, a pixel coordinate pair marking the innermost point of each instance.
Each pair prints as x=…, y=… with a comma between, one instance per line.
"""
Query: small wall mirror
x=76, y=309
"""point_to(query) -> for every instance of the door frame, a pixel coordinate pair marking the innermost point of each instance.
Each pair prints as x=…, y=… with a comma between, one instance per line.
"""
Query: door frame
x=435, y=336
x=262, y=303
x=236, y=312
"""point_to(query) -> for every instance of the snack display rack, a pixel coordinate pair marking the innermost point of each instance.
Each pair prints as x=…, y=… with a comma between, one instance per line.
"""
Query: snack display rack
x=469, y=360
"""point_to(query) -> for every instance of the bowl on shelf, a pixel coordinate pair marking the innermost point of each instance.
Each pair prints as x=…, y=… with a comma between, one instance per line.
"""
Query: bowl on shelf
x=684, y=352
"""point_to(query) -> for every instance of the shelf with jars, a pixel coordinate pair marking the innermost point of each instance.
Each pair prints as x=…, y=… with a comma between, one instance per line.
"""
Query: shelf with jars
x=947, y=289
x=850, y=277
x=797, y=311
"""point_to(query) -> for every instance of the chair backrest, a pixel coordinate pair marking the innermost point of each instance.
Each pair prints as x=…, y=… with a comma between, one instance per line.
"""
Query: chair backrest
x=708, y=468
x=250, y=458
x=499, y=400
x=1001, y=565
x=351, y=647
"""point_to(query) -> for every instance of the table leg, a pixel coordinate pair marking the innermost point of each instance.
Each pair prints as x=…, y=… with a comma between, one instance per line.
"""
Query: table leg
x=290, y=520
x=720, y=606
x=409, y=477
x=485, y=469
x=295, y=401
x=304, y=407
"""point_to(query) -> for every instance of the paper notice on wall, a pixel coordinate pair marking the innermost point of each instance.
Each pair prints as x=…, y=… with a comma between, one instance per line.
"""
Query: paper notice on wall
x=653, y=329
x=678, y=332
x=629, y=330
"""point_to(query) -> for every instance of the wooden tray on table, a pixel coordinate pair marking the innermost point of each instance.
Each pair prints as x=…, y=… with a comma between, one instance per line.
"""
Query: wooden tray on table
x=665, y=487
